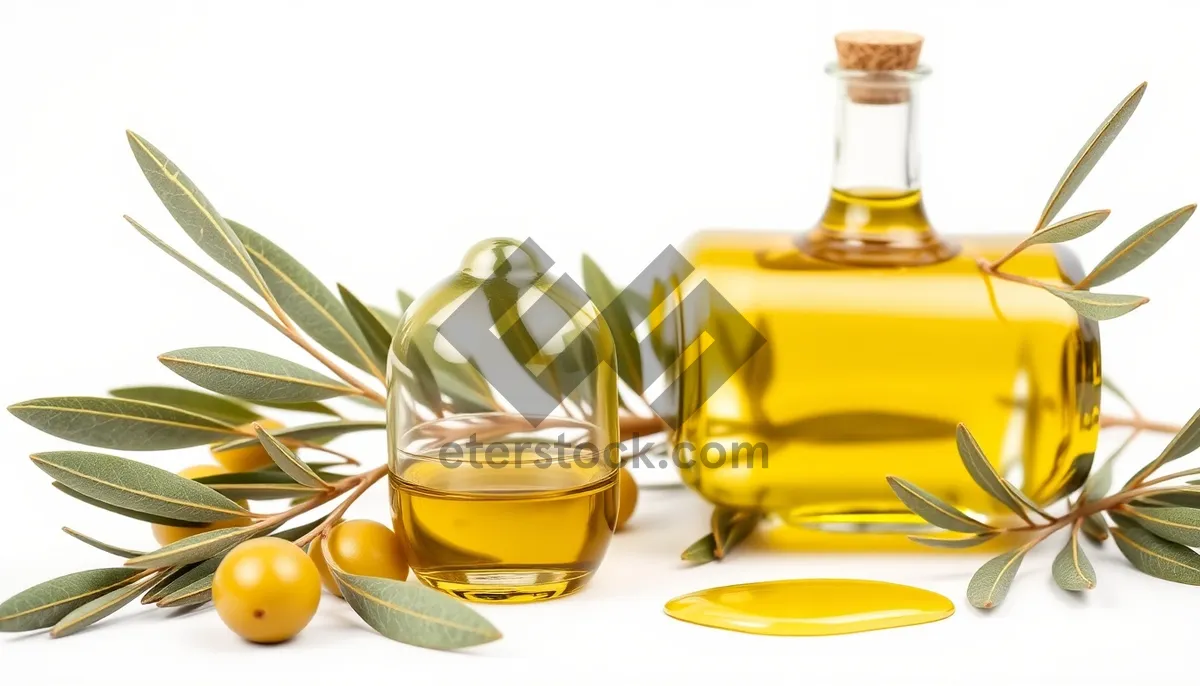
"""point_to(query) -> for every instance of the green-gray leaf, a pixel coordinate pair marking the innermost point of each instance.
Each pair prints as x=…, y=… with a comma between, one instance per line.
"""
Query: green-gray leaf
x=125, y=512
x=1095, y=527
x=1178, y=496
x=120, y=424
x=43, y=605
x=1098, y=306
x=413, y=614
x=308, y=432
x=1109, y=385
x=137, y=486
x=96, y=609
x=252, y=375
x=208, y=276
x=1183, y=443
x=164, y=579
x=181, y=577
x=377, y=335
x=1066, y=230
x=309, y=303
x=1178, y=524
x=1072, y=571
x=1099, y=483
x=195, y=593
x=1026, y=500
x=404, y=299
x=1089, y=155
x=955, y=541
x=1158, y=557
x=933, y=509
x=1076, y=477
x=608, y=300
x=984, y=474
x=989, y=585
x=199, y=402
x=258, y=485
x=703, y=550
x=287, y=461
x=313, y=407
x=195, y=548
x=1137, y=248
x=199, y=219
x=100, y=545
x=730, y=527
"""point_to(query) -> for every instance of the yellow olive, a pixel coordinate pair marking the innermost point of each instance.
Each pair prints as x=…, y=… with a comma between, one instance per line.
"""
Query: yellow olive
x=363, y=547
x=266, y=590
x=626, y=498
x=166, y=534
x=249, y=458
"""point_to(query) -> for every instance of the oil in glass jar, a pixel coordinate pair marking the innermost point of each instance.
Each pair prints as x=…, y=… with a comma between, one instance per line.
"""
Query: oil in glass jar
x=502, y=426
x=883, y=334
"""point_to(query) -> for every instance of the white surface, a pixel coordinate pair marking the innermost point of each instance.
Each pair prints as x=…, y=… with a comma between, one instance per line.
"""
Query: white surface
x=377, y=142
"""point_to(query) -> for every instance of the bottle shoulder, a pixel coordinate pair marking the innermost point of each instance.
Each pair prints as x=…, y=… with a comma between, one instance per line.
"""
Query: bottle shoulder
x=777, y=250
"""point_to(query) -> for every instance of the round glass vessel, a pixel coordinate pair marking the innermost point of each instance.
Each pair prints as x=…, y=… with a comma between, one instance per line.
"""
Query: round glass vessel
x=502, y=430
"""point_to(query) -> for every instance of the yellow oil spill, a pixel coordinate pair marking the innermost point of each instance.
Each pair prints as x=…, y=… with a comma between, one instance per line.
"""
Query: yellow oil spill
x=810, y=607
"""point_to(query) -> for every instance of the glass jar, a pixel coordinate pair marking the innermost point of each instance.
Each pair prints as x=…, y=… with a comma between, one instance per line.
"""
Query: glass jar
x=502, y=430
x=881, y=335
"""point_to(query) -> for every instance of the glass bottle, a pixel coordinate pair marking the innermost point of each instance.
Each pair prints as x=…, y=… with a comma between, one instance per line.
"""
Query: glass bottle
x=502, y=430
x=881, y=335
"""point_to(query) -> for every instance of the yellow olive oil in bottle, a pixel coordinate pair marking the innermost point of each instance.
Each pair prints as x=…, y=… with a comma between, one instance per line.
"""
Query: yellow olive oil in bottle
x=882, y=334
x=502, y=430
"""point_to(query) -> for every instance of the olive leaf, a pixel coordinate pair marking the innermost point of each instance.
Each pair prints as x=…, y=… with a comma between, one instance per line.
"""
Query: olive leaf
x=1065, y=230
x=314, y=407
x=1077, y=475
x=96, y=609
x=1178, y=496
x=1025, y=500
x=207, y=276
x=610, y=301
x=310, y=304
x=125, y=512
x=954, y=541
x=100, y=545
x=1186, y=440
x=287, y=461
x=196, y=548
x=410, y=613
x=404, y=299
x=984, y=474
x=1095, y=527
x=424, y=385
x=377, y=335
x=322, y=431
x=1178, y=524
x=43, y=605
x=1089, y=155
x=989, y=586
x=164, y=579
x=195, y=214
x=253, y=375
x=1137, y=248
x=258, y=485
x=1100, y=481
x=390, y=321
x=703, y=550
x=1071, y=570
x=137, y=486
x=1097, y=306
x=934, y=510
x=1156, y=556
x=206, y=404
x=1109, y=385
x=120, y=424
x=730, y=527
x=196, y=593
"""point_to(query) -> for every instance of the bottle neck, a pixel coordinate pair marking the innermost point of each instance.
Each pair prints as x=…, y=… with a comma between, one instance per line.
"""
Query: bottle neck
x=875, y=215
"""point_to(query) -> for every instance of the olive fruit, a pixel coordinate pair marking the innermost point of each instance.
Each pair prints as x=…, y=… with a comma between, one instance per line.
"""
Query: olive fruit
x=363, y=547
x=626, y=498
x=266, y=590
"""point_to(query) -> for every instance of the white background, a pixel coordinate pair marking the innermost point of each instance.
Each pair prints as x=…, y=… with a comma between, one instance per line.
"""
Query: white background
x=377, y=141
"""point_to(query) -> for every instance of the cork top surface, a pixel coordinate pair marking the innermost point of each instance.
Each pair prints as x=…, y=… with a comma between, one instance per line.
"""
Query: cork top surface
x=878, y=50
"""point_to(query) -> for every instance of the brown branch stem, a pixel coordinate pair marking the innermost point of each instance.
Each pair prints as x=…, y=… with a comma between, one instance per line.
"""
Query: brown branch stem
x=1139, y=423
x=363, y=482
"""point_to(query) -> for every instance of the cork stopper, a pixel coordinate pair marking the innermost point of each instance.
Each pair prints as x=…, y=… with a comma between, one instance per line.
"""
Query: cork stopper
x=876, y=53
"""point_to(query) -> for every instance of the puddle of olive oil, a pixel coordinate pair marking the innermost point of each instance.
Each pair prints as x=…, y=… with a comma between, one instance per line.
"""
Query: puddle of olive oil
x=810, y=607
x=522, y=532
